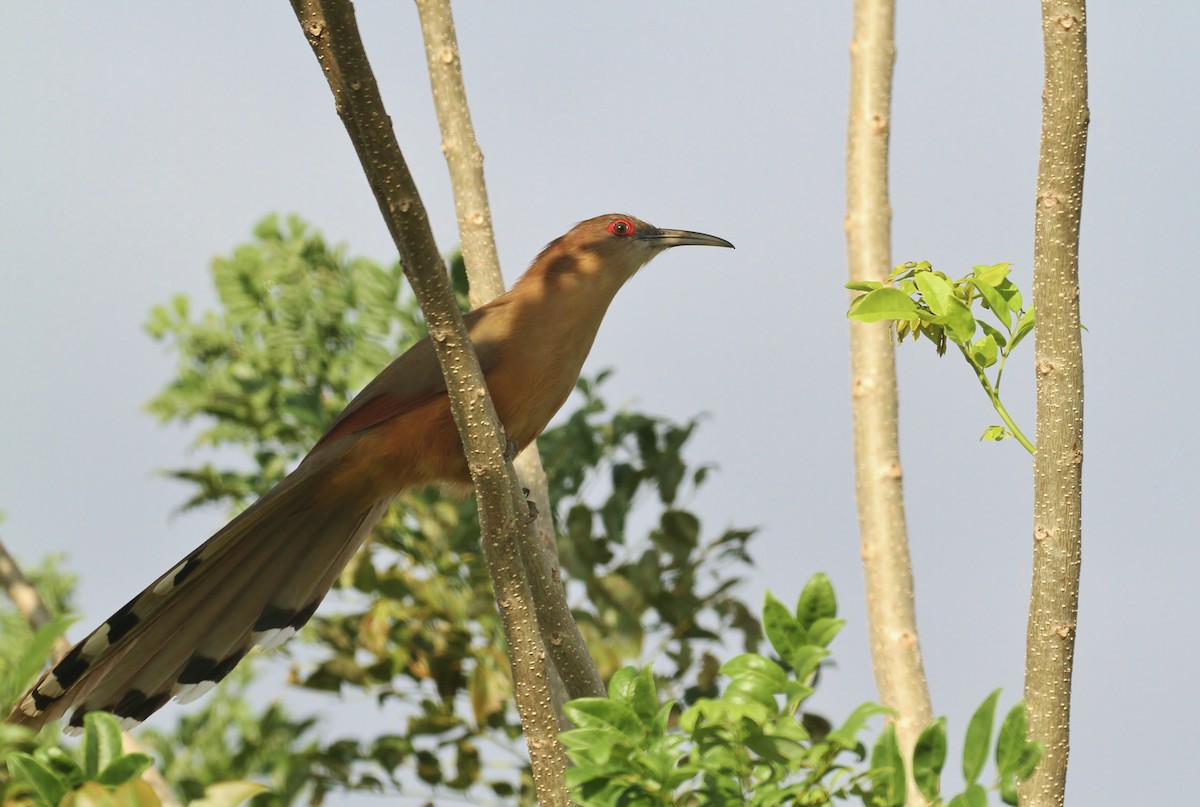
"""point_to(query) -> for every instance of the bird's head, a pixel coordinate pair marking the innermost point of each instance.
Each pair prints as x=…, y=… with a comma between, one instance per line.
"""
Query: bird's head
x=611, y=248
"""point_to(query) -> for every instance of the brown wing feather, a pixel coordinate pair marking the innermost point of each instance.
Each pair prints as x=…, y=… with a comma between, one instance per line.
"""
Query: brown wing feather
x=415, y=378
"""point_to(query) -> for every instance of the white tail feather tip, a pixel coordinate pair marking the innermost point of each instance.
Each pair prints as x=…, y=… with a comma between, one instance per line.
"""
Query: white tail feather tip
x=273, y=638
x=186, y=693
x=29, y=706
x=167, y=582
x=97, y=642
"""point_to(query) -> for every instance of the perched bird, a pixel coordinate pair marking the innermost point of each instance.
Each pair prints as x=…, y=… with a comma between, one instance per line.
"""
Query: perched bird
x=261, y=577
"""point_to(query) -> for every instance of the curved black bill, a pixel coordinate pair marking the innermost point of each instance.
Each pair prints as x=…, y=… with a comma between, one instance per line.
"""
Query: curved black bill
x=682, y=238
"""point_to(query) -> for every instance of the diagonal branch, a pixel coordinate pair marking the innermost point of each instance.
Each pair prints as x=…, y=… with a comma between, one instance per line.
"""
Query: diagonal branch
x=887, y=567
x=333, y=34
x=25, y=597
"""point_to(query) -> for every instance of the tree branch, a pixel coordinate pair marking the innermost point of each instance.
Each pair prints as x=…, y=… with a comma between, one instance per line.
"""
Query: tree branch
x=1058, y=365
x=333, y=34
x=28, y=601
x=895, y=646
x=465, y=162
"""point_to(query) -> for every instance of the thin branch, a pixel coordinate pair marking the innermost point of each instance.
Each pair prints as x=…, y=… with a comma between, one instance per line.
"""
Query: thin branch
x=333, y=34
x=1058, y=366
x=28, y=602
x=994, y=396
x=895, y=647
x=464, y=159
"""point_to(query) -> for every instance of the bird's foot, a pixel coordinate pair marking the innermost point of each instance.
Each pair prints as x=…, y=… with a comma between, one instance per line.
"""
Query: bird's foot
x=533, y=511
x=511, y=449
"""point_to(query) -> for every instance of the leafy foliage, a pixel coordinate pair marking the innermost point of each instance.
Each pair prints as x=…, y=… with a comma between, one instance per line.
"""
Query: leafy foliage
x=930, y=303
x=747, y=745
x=301, y=327
x=752, y=743
x=98, y=774
x=1015, y=755
x=233, y=740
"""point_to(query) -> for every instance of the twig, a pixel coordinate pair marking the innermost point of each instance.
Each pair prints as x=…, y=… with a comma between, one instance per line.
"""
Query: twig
x=28, y=602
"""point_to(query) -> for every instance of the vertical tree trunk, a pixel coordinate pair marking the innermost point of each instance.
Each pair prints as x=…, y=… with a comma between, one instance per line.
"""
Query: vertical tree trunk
x=895, y=647
x=1058, y=364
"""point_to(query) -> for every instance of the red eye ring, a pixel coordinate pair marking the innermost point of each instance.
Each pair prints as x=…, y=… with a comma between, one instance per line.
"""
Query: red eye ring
x=622, y=227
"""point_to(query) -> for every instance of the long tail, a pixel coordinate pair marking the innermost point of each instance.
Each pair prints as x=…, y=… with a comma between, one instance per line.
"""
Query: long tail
x=257, y=581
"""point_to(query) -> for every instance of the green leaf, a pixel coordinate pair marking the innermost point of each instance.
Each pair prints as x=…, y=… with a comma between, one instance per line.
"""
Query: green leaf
x=884, y=303
x=593, y=739
x=124, y=769
x=1008, y=789
x=46, y=784
x=994, y=301
x=228, y=794
x=824, y=630
x=101, y=742
x=950, y=311
x=753, y=664
x=783, y=630
x=1024, y=327
x=847, y=734
x=817, y=601
x=1009, y=291
x=978, y=738
x=929, y=757
x=605, y=713
x=992, y=275
x=1011, y=740
x=887, y=768
x=643, y=697
x=984, y=351
x=994, y=434
x=864, y=285
x=974, y=796
x=991, y=331
x=620, y=686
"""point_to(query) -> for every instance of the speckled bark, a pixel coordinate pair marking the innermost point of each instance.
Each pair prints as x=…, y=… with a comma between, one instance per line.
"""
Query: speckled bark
x=895, y=646
x=1058, y=365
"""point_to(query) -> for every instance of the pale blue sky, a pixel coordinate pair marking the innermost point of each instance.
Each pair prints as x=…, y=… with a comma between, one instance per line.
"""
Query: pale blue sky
x=140, y=140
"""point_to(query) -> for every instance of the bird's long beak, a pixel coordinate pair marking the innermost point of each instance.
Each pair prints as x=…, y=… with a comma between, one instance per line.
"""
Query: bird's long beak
x=681, y=238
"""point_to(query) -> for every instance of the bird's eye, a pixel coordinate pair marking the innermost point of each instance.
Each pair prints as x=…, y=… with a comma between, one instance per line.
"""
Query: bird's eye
x=621, y=227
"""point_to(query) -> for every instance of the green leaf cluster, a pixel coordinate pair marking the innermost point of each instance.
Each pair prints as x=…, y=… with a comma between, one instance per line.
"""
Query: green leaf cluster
x=753, y=744
x=1015, y=756
x=98, y=774
x=750, y=744
x=922, y=301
